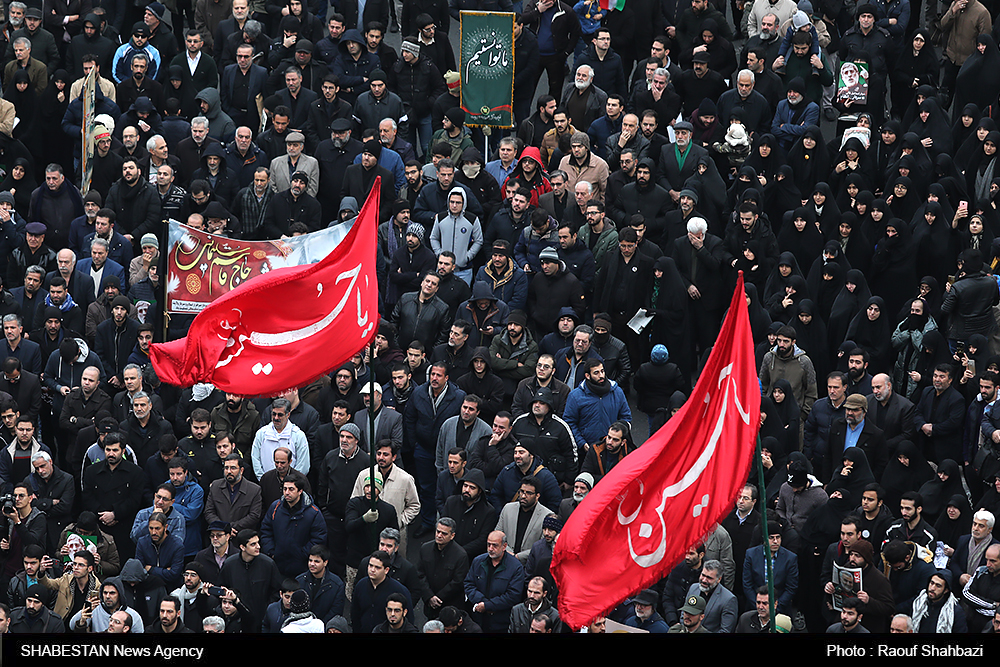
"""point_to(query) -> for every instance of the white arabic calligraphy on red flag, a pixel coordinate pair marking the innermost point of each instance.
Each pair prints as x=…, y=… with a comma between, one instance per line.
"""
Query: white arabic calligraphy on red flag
x=640, y=518
x=283, y=329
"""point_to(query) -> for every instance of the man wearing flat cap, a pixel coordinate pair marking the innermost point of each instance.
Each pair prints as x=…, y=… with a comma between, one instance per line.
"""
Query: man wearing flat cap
x=647, y=618
x=294, y=160
x=856, y=431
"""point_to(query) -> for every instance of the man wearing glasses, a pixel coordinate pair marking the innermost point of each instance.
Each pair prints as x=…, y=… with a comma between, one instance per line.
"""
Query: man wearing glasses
x=544, y=377
x=77, y=589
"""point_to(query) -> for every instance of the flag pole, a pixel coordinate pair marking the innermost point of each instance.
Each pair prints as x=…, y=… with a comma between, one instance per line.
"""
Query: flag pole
x=769, y=569
x=371, y=397
x=371, y=439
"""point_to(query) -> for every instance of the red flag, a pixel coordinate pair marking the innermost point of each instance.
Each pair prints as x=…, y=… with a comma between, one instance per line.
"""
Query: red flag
x=641, y=517
x=283, y=329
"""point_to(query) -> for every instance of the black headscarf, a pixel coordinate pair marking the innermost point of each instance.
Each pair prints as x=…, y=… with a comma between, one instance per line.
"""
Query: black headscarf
x=873, y=336
x=951, y=530
x=936, y=492
x=898, y=478
x=810, y=165
x=977, y=81
x=805, y=245
x=766, y=166
x=847, y=305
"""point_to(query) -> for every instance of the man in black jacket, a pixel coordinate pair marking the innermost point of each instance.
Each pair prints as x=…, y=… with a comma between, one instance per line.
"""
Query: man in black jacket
x=112, y=489
x=473, y=515
x=870, y=438
x=135, y=202
x=292, y=205
x=421, y=315
x=644, y=197
x=443, y=565
x=418, y=82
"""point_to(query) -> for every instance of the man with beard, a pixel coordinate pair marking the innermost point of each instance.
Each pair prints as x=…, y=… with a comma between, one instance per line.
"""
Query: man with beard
x=748, y=103
x=622, y=277
x=107, y=169
x=720, y=604
x=242, y=82
x=678, y=161
x=81, y=405
x=135, y=202
x=544, y=377
x=646, y=198
x=115, y=339
x=433, y=198
x=99, y=618
x=473, y=515
x=238, y=417
x=359, y=179
x=443, y=564
x=609, y=451
x=55, y=204
x=877, y=592
x=794, y=114
x=647, y=618
x=335, y=154
x=856, y=431
x=507, y=282
x=938, y=417
x=292, y=205
x=534, y=128
x=112, y=489
x=787, y=361
x=936, y=610
x=548, y=436
x=493, y=451
x=661, y=105
x=555, y=288
x=138, y=85
x=414, y=182
x=561, y=337
x=130, y=146
x=594, y=405
x=408, y=266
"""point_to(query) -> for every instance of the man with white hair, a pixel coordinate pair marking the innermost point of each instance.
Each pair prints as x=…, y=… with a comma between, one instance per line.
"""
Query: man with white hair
x=79, y=285
x=699, y=256
x=751, y=105
x=970, y=552
x=583, y=101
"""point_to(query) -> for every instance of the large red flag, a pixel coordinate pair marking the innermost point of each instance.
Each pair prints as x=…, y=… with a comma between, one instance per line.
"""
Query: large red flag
x=640, y=518
x=283, y=329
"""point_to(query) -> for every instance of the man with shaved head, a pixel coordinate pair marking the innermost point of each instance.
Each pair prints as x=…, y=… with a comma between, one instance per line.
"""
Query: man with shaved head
x=890, y=411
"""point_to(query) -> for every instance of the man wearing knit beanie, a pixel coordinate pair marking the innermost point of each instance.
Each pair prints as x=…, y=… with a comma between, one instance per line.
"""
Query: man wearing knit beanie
x=434, y=44
x=359, y=178
x=419, y=84
x=582, y=165
x=453, y=133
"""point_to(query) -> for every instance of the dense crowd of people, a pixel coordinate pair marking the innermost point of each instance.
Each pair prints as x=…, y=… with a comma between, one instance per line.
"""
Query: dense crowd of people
x=536, y=286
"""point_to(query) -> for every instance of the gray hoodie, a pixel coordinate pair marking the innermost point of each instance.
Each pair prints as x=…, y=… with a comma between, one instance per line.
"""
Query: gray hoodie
x=462, y=234
x=220, y=125
x=101, y=617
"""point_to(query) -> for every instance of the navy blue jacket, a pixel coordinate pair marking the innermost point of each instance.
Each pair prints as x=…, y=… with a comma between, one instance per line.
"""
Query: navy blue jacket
x=499, y=594
x=329, y=599
x=287, y=536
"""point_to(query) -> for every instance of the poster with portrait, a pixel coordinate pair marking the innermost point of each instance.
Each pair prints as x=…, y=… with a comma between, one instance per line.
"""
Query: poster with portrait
x=846, y=584
x=852, y=83
x=76, y=542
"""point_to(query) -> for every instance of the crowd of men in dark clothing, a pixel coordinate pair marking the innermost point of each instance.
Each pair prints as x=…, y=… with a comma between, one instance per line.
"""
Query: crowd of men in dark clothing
x=536, y=285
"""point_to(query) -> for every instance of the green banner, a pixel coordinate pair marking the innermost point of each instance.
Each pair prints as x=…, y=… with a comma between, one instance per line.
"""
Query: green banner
x=487, y=68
